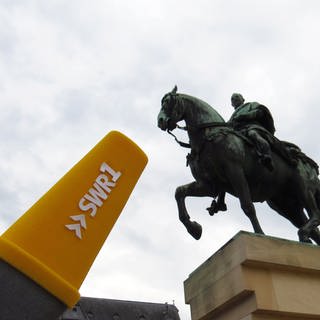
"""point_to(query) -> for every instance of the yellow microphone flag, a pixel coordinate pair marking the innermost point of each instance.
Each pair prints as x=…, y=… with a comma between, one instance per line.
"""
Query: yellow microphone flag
x=56, y=241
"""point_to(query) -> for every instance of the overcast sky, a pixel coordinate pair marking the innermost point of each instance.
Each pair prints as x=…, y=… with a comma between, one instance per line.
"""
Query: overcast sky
x=74, y=70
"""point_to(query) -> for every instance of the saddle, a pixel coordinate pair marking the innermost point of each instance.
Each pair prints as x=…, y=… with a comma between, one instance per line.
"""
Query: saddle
x=288, y=151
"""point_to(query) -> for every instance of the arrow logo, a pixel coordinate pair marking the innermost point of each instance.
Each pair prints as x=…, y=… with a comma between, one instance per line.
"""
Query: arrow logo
x=76, y=227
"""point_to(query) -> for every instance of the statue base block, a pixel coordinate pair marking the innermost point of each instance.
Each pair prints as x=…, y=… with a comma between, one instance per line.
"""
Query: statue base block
x=256, y=277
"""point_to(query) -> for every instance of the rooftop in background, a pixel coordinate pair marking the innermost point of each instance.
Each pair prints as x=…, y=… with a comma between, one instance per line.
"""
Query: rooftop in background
x=108, y=309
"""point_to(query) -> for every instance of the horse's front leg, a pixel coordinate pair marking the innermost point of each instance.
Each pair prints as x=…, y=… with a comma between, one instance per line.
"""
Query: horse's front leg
x=193, y=189
x=241, y=188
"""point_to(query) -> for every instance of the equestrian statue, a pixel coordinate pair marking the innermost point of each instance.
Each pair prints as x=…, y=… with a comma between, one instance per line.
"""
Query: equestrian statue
x=244, y=158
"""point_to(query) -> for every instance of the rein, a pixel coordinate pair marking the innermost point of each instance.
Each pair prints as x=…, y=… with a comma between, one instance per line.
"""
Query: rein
x=213, y=124
x=182, y=144
x=200, y=126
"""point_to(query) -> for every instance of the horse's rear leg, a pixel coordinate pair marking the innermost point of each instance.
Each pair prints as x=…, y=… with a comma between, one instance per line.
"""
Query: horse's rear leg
x=193, y=189
x=293, y=211
x=241, y=188
x=314, y=215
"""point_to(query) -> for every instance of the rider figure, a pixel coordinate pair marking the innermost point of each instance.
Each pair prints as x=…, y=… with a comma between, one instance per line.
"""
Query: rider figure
x=255, y=122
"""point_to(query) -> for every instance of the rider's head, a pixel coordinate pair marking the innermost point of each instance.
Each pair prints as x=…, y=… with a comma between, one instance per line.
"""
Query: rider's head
x=237, y=100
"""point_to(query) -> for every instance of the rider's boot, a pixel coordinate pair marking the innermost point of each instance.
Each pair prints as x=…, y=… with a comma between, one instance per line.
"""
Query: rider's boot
x=217, y=206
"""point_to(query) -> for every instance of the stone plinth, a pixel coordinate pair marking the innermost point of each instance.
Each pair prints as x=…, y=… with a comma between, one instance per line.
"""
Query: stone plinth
x=257, y=277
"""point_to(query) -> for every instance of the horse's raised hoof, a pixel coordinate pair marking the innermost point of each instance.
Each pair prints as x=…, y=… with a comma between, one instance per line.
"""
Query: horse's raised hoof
x=195, y=229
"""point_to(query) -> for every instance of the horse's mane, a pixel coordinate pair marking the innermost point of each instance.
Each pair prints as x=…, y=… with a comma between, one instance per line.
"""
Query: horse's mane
x=200, y=103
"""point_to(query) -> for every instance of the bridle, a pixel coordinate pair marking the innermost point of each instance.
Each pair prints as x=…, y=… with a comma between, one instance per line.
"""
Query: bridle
x=174, y=98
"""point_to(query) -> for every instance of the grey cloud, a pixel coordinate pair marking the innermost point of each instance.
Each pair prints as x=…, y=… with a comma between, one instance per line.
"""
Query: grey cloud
x=73, y=71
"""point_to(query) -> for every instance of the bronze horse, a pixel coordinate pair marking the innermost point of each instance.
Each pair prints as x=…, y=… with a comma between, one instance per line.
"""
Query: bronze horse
x=222, y=161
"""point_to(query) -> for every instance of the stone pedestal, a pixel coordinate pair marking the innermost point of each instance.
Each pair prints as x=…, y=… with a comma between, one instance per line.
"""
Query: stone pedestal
x=257, y=277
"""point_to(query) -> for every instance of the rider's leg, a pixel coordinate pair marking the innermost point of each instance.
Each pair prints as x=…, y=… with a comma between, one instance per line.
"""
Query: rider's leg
x=263, y=148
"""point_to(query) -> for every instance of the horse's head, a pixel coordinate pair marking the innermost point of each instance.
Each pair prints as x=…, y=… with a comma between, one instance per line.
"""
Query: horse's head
x=176, y=107
x=171, y=111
